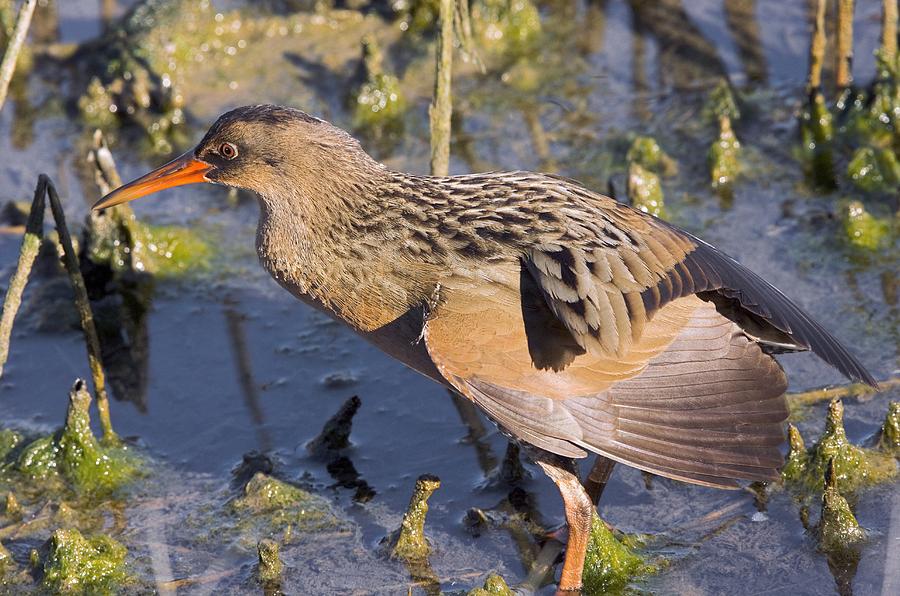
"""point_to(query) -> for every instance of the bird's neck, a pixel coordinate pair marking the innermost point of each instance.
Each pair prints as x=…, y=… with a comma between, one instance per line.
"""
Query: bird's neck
x=333, y=246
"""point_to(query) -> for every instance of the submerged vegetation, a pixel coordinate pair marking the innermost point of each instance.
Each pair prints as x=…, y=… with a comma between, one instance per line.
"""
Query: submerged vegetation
x=74, y=455
x=851, y=467
x=612, y=561
x=74, y=564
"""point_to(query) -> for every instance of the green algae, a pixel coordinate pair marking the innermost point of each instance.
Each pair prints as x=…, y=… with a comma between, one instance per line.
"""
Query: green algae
x=862, y=229
x=279, y=505
x=78, y=565
x=416, y=16
x=794, y=469
x=721, y=103
x=610, y=563
x=647, y=152
x=644, y=190
x=853, y=467
x=838, y=529
x=506, y=28
x=11, y=508
x=5, y=560
x=494, y=585
x=125, y=244
x=378, y=103
x=9, y=440
x=889, y=435
x=874, y=169
x=816, y=141
x=872, y=118
x=269, y=566
x=74, y=454
x=410, y=543
x=646, y=163
x=724, y=156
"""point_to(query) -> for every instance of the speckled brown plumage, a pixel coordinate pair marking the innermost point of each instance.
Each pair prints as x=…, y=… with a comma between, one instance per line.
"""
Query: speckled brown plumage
x=576, y=323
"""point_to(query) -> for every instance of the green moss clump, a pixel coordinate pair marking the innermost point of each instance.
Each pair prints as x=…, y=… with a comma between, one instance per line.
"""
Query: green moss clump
x=646, y=163
x=74, y=454
x=269, y=566
x=12, y=509
x=124, y=244
x=9, y=440
x=723, y=157
x=646, y=152
x=838, y=530
x=862, y=229
x=494, y=585
x=853, y=467
x=170, y=250
x=609, y=563
x=874, y=169
x=509, y=28
x=872, y=118
x=816, y=138
x=79, y=565
x=282, y=504
x=889, y=437
x=794, y=469
x=410, y=542
x=97, y=106
x=721, y=103
x=5, y=561
x=378, y=101
x=644, y=190
x=416, y=16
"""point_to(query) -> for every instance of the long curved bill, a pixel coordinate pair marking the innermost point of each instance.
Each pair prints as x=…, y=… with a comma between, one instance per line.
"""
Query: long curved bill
x=178, y=172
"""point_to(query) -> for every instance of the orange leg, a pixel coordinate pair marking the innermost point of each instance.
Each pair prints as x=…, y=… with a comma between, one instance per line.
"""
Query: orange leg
x=579, y=509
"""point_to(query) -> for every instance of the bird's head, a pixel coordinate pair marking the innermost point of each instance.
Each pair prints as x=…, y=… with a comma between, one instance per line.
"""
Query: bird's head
x=271, y=150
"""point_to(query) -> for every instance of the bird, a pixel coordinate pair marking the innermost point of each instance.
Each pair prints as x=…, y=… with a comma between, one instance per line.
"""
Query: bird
x=578, y=324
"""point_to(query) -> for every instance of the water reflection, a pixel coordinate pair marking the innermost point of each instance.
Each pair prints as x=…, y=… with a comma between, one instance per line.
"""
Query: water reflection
x=234, y=321
x=687, y=58
x=740, y=17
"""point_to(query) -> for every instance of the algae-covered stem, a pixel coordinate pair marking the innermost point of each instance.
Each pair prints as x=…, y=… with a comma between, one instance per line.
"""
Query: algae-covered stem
x=8, y=66
x=441, y=108
x=889, y=29
x=411, y=543
x=817, y=48
x=31, y=243
x=844, y=53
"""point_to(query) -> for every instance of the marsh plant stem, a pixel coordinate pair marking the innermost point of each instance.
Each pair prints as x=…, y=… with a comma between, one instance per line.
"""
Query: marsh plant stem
x=844, y=53
x=889, y=29
x=11, y=56
x=817, y=48
x=30, y=245
x=441, y=108
x=83, y=304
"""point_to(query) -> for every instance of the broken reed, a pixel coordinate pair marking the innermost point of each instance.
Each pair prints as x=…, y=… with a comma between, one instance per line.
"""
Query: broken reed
x=16, y=41
x=28, y=253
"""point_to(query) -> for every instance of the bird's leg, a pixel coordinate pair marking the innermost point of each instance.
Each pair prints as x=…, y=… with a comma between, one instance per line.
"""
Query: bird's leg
x=579, y=510
x=598, y=477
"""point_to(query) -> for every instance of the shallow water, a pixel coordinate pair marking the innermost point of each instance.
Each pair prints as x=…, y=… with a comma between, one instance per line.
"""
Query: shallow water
x=608, y=68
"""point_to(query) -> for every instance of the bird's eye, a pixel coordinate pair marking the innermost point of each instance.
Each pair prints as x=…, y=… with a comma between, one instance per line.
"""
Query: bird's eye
x=228, y=150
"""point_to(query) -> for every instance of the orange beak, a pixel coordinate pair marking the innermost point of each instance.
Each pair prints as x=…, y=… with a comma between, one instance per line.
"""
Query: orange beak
x=178, y=172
